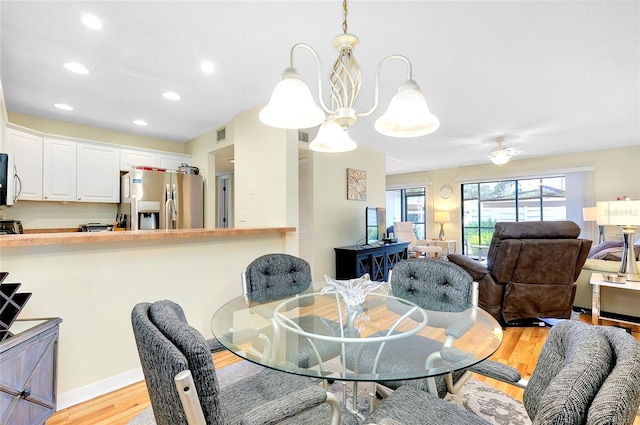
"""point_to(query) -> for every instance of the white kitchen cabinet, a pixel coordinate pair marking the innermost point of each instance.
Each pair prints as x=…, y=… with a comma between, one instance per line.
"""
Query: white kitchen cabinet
x=27, y=150
x=131, y=157
x=59, y=170
x=137, y=157
x=173, y=161
x=97, y=173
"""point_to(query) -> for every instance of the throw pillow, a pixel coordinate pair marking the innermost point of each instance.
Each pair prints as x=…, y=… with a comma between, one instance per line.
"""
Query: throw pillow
x=604, y=245
x=614, y=254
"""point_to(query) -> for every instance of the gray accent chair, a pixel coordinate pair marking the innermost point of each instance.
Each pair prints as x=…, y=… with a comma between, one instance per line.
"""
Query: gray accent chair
x=168, y=347
x=275, y=276
x=585, y=375
x=438, y=285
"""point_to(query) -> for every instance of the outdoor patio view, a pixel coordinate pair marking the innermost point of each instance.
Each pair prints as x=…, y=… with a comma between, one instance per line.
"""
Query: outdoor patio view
x=486, y=203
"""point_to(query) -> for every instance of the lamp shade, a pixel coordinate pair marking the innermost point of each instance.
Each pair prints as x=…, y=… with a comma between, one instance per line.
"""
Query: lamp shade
x=332, y=137
x=590, y=214
x=291, y=105
x=407, y=114
x=619, y=213
x=442, y=217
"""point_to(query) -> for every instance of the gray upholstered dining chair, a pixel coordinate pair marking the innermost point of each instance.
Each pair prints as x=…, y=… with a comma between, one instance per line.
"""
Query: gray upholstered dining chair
x=274, y=276
x=169, y=347
x=272, y=271
x=585, y=375
x=441, y=286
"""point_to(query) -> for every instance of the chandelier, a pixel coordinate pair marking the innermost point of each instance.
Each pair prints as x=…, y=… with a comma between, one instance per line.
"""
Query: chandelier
x=292, y=106
x=501, y=155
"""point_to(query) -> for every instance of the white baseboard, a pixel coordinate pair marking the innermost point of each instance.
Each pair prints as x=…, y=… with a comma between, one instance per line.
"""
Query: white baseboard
x=79, y=395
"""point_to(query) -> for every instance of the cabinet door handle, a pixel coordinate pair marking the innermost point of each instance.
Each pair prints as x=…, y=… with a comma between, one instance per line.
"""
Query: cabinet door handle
x=26, y=393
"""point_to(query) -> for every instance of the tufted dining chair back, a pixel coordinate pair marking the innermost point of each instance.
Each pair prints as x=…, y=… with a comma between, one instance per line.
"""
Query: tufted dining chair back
x=272, y=271
x=441, y=286
x=433, y=284
x=275, y=276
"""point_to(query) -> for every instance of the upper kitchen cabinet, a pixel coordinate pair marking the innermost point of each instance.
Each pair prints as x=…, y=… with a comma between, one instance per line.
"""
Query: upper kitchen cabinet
x=173, y=161
x=27, y=150
x=59, y=170
x=98, y=173
x=137, y=157
x=130, y=157
x=80, y=172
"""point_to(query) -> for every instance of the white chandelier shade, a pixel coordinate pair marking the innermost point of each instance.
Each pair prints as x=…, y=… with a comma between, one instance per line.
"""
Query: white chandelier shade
x=292, y=107
x=407, y=114
x=332, y=137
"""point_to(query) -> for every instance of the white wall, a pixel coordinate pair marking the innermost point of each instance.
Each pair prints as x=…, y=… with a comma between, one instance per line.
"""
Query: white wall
x=337, y=221
x=615, y=172
x=93, y=288
x=62, y=128
x=3, y=120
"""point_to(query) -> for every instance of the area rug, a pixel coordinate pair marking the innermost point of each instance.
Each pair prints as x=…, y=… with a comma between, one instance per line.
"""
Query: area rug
x=490, y=403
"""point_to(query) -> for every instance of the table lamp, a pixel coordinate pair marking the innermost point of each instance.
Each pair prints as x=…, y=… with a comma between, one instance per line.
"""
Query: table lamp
x=591, y=214
x=625, y=214
x=442, y=217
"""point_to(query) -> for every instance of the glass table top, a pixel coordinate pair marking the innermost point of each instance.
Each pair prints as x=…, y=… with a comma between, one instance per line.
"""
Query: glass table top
x=298, y=330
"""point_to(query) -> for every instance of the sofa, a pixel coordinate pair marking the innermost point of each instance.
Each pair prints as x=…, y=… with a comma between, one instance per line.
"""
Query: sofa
x=605, y=258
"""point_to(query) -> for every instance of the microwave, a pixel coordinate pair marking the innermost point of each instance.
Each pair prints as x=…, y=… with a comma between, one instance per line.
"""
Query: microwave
x=7, y=179
x=11, y=227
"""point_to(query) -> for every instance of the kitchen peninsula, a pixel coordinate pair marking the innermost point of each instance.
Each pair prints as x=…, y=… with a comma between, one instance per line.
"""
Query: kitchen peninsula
x=60, y=238
x=92, y=280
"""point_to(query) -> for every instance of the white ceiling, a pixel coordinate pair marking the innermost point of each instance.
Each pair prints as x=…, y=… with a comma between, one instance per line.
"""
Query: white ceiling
x=555, y=77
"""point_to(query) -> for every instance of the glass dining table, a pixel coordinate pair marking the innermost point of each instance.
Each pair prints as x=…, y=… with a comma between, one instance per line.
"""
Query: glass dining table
x=302, y=331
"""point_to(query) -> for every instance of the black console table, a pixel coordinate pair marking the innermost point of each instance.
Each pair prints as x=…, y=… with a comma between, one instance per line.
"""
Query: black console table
x=377, y=260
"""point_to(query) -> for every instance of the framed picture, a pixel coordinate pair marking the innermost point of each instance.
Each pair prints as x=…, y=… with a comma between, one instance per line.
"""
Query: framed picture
x=356, y=185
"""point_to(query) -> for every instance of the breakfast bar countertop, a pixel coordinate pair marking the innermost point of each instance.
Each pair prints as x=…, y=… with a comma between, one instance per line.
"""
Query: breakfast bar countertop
x=36, y=239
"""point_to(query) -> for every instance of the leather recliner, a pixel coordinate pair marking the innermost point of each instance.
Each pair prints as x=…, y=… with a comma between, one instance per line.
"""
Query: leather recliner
x=530, y=271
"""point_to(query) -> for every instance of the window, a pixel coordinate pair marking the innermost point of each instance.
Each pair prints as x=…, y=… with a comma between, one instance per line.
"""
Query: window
x=484, y=204
x=408, y=205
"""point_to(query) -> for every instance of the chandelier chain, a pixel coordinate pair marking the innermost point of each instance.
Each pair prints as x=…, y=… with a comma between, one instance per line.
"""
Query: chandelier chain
x=346, y=12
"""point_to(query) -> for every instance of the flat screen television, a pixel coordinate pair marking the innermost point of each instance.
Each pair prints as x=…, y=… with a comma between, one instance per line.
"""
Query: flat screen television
x=376, y=224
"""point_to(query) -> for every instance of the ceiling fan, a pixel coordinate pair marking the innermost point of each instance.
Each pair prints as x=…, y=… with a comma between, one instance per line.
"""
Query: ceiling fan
x=501, y=155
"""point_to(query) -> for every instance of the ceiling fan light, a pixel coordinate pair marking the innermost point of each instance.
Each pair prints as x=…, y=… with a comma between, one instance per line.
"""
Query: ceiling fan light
x=291, y=105
x=332, y=138
x=500, y=156
x=408, y=114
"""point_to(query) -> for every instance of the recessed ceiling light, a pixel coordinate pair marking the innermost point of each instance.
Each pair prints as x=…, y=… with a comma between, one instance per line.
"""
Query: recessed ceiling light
x=76, y=67
x=171, y=95
x=63, y=106
x=92, y=22
x=207, y=67
x=140, y=123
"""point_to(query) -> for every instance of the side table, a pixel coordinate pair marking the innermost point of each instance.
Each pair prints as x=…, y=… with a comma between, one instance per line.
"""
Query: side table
x=448, y=246
x=597, y=281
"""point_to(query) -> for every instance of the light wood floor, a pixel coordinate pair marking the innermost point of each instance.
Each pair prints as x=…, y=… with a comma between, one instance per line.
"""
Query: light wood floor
x=520, y=348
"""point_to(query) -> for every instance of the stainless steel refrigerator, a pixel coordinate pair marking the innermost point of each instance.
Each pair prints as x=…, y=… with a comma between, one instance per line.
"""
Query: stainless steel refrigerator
x=153, y=200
